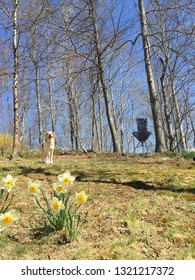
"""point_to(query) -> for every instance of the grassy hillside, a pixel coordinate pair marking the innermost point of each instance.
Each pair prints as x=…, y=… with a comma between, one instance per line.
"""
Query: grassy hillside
x=139, y=207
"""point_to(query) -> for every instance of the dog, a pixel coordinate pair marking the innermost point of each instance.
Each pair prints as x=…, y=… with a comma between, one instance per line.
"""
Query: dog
x=47, y=147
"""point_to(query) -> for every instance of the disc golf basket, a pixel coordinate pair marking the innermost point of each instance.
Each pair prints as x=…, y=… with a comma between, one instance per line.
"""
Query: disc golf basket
x=142, y=134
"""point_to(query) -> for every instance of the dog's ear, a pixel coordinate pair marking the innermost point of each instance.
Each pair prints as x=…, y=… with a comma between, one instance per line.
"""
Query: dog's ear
x=46, y=133
x=53, y=134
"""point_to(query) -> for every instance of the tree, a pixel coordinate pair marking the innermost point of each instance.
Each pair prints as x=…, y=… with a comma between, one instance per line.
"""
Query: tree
x=82, y=61
x=171, y=31
x=15, y=82
x=158, y=126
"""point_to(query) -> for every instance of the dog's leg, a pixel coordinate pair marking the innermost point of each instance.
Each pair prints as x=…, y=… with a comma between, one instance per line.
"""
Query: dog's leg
x=47, y=158
x=51, y=157
x=42, y=155
x=42, y=152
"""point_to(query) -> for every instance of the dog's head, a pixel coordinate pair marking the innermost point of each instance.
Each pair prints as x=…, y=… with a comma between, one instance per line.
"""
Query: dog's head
x=49, y=135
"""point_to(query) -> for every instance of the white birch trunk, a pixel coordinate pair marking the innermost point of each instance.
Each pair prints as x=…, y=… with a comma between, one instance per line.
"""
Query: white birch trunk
x=15, y=83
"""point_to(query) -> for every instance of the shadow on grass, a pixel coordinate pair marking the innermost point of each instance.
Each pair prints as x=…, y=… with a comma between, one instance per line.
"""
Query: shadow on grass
x=29, y=170
x=24, y=170
x=139, y=185
x=39, y=232
x=7, y=169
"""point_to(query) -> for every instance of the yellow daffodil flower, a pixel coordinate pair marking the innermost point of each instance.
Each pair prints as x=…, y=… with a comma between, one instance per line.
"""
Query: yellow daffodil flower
x=66, y=178
x=8, y=183
x=81, y=197
x=33, y=188
x=7, y=219
x=57, y=204
x=59, y=187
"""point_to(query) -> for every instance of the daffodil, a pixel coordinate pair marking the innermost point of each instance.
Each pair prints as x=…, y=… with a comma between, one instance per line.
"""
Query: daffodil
x=33, y=188
x=7, y=219
x=66, y=178
x=57, y=204
x=81, y=197
x=59, y=187
x=8, y=183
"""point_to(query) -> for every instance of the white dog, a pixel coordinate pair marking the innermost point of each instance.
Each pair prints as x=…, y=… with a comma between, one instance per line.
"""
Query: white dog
x=47, y=147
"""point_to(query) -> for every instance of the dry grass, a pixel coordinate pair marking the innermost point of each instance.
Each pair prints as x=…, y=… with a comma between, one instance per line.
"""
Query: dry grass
x=139, y=208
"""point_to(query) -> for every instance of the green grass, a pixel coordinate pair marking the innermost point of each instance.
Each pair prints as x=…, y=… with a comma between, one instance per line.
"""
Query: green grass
x=139, y=208
x=188, y=155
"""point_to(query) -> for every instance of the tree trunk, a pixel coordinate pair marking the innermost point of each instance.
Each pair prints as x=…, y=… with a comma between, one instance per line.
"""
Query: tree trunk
x=175, y=109
x=115, y=140
x=101, y=138
x=22, y=125
x=15, y=83
x=158, y=128
x=38, y=101
x=93, y=119
x=50, y=88
x=166, y=107
x=178, y=121
x=70, y=108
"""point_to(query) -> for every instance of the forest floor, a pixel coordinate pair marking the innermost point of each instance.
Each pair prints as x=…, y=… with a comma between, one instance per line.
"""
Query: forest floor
x=139, y=207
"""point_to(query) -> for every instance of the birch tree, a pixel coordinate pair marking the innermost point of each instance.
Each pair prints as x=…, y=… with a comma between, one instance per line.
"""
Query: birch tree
x=15, y=82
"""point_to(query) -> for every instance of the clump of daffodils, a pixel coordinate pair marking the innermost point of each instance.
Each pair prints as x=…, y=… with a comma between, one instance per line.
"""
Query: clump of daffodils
x=61, y=209
x=6, y=217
